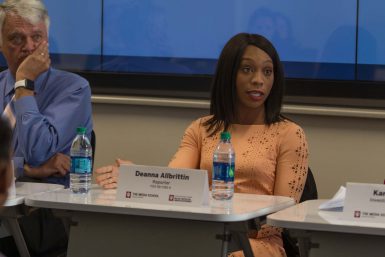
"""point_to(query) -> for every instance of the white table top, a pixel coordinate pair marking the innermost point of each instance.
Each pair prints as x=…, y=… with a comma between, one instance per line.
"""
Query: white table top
x=24, y=189
x=306, y=216
x=242, y=207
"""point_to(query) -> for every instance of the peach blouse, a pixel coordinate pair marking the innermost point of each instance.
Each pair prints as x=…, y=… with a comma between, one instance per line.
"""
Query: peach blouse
x=270, y=160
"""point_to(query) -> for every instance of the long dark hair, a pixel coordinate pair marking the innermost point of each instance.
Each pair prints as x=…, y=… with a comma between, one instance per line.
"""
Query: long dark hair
x=223, y=88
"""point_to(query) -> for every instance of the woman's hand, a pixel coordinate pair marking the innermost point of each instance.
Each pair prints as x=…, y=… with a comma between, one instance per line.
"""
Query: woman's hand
x=107, y=176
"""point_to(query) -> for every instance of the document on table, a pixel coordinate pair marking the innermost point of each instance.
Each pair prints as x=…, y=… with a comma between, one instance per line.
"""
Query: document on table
x=336, y=202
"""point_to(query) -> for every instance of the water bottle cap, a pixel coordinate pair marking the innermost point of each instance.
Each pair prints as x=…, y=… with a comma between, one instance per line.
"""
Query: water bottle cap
x=81, y=130
x=225, y=135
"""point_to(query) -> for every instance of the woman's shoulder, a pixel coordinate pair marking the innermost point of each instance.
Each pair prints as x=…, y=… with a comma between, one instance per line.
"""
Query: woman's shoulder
x=196, y=131
x=287, y=126
x=291, y=137
x=200, y=122
x=290, y=133
x=204, y=118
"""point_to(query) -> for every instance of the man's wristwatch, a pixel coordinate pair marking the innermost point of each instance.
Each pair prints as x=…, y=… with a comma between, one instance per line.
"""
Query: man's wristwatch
x=26, y=83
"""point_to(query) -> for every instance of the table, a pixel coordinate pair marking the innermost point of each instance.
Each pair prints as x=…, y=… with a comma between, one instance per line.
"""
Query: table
x=326, y=233
x=103, y=226
x=14, y=208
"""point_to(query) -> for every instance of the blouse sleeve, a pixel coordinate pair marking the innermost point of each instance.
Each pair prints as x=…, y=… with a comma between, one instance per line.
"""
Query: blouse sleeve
x=292, y=163
x=291, y=172
x=188, y=154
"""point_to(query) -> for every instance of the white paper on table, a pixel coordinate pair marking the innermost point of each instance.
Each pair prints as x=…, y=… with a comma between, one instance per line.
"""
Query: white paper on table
x=336, y=202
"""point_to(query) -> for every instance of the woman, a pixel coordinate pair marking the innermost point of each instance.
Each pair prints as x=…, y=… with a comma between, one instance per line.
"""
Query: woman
x=246, y=100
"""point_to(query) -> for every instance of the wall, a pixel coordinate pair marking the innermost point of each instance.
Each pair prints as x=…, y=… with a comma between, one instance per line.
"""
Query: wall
x=342, y=149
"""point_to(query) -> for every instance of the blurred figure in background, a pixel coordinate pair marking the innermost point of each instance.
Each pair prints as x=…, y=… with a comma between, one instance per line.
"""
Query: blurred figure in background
x=5, y=160
x=43, y=105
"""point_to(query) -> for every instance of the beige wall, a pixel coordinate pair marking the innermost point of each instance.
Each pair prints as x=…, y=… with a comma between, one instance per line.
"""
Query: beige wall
x=342, y=149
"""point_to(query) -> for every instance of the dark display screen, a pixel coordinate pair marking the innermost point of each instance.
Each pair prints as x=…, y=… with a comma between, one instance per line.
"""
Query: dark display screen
x=317, y=40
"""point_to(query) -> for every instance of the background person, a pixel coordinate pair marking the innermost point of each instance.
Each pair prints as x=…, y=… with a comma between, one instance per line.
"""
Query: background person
x=271, y=150
x=49, y=104
x=44, y=107
x=5, y=160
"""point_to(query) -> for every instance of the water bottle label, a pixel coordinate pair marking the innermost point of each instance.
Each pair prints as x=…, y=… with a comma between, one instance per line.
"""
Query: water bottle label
x=223, y=171
x=81, y=165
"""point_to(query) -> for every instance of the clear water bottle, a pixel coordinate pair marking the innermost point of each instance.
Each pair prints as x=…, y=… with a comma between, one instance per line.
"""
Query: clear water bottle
x=81, y=162
x=223, y=169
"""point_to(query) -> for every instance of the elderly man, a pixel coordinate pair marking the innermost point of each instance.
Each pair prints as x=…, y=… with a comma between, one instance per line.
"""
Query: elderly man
x=44, y=105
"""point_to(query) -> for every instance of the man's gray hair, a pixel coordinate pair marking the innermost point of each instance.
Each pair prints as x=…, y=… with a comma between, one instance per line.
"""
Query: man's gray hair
x=33, y=11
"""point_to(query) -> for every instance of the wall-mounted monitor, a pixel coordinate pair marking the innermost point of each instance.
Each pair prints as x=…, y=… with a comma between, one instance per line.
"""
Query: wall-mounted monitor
x=330, y=49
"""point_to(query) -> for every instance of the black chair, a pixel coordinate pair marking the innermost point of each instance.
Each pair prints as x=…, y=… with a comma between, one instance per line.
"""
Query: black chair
x=310, y=192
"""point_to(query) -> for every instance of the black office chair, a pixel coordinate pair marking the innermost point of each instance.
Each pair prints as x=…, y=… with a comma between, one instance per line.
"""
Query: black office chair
x=310, y=192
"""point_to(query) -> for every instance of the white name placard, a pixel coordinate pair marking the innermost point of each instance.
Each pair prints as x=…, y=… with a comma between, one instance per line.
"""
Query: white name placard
x=162, y=185
x=365, y=202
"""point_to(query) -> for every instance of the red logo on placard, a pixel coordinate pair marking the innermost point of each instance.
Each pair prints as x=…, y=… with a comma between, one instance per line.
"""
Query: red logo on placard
x=357, y=214
x=171, y=198
x=128, y=194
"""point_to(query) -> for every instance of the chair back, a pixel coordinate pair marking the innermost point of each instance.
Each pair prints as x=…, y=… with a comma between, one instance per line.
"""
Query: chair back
x=310, y=192
x=310, y=189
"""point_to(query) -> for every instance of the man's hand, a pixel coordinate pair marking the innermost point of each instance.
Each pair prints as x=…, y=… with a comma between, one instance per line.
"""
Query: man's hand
x=34, y=64
x=58, y=165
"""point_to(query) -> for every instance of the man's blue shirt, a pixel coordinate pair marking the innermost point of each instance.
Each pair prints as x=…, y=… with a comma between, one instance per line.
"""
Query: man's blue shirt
x=46, y=123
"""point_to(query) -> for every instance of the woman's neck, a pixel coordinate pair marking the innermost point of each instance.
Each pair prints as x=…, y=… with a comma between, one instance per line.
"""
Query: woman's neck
x=251, y=117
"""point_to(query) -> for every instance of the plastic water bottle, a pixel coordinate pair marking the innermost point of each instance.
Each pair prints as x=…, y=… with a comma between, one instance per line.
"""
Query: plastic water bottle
x=223, y=169
x=81, y=162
